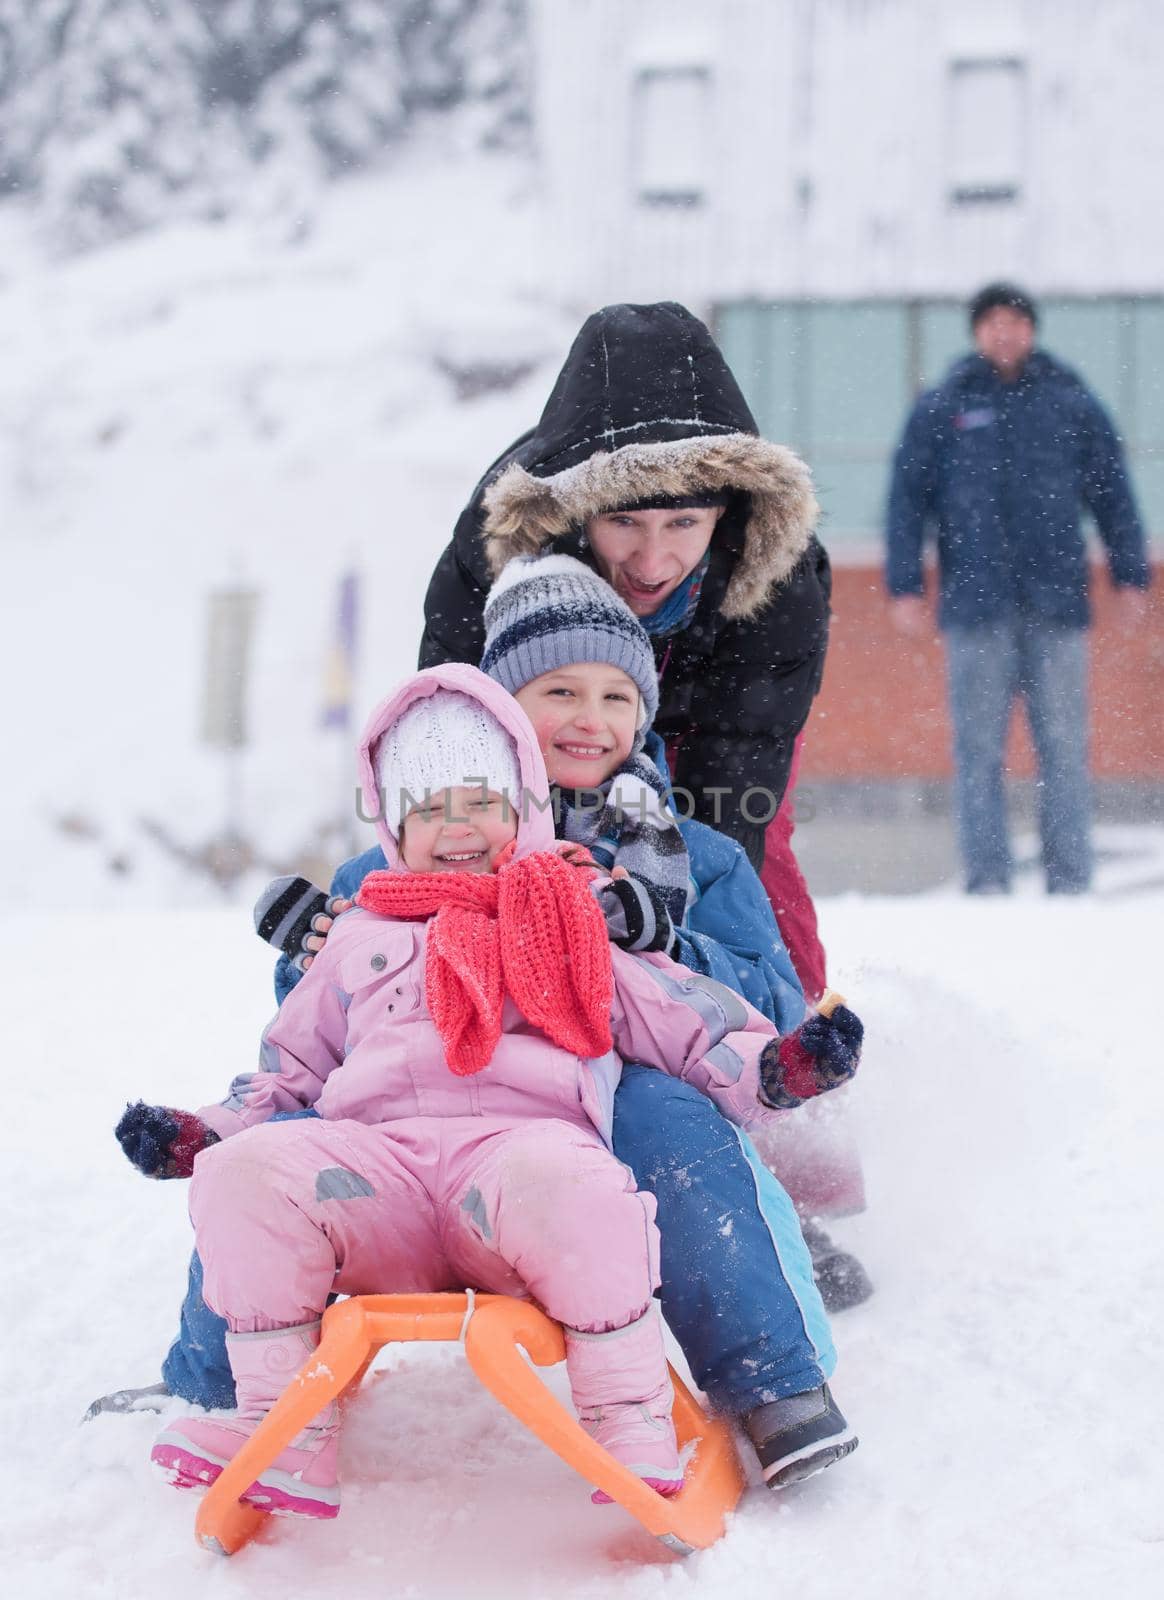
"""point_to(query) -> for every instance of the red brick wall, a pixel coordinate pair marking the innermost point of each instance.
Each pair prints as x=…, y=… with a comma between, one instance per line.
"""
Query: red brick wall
x=882, y=710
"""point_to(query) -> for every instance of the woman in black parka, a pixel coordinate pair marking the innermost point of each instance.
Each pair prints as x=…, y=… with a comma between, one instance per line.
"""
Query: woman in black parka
x=646, y=464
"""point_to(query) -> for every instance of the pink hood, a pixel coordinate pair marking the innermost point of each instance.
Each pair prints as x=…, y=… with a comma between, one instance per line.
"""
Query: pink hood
x=535, y=826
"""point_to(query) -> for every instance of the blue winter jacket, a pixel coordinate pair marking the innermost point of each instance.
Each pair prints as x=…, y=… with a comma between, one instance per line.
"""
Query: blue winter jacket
x=729, y=934
x=1003, y=471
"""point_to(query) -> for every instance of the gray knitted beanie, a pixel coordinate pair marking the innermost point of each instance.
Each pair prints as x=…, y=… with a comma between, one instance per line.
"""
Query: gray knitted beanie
x=548, y=612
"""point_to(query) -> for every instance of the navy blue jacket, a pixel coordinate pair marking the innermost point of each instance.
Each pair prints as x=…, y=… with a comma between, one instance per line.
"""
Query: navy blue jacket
x=1004, y=472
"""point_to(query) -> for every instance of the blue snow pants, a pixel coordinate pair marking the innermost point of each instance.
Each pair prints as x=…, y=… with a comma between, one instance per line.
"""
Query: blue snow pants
x=737, y=1288
x=196, y=1366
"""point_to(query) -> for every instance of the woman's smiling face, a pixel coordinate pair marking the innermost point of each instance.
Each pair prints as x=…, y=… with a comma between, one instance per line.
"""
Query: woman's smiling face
x=645, y=555
x=585, y=717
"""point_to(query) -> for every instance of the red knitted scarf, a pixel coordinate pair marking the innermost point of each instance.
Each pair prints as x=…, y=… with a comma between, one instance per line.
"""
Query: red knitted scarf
x=531, y=930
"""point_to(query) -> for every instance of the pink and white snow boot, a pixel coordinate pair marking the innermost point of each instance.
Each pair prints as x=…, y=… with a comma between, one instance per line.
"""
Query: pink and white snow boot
x=302, y=1480
x=622, y=1391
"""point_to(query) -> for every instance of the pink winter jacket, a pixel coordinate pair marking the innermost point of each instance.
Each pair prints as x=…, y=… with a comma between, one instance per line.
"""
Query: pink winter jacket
x=355, y=1039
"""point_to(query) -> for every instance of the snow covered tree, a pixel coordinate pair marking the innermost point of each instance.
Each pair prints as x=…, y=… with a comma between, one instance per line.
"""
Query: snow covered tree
x=115, y=113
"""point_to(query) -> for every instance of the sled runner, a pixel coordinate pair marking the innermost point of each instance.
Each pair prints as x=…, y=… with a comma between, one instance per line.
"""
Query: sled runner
x=492, y=1328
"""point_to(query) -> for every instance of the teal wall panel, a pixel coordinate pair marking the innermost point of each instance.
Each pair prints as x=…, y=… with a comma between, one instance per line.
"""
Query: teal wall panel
x=835, y=380
x=1146, y=427
x=1091, y=336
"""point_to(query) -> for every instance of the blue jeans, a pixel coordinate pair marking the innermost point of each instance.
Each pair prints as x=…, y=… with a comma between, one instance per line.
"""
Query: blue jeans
x=737, y=1286
x=989, y=666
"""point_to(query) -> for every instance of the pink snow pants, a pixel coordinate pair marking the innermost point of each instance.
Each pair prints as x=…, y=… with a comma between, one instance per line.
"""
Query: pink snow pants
x=288, y=1213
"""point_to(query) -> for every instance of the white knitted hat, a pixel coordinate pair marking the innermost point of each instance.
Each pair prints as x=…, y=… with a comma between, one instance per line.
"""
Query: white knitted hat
x=445, y=741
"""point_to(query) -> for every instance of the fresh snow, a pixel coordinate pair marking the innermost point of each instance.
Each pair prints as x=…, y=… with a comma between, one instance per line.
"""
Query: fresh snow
x=1004, y=1379
x=268, y=403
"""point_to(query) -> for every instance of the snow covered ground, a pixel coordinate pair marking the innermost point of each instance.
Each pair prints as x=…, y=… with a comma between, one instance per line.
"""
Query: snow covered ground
x=1005, y=1378
x=269, y=403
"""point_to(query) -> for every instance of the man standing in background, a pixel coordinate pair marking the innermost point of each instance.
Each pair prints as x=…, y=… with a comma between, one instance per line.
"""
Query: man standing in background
x=1002, y=458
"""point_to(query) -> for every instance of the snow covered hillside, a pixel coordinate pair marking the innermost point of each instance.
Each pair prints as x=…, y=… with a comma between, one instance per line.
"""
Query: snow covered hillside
x=1005, y=1378
x=237, y=404
x=115, y=117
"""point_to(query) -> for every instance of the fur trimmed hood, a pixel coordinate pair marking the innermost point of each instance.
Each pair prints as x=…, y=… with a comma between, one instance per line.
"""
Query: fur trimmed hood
x=646, y=406
x=524, y=513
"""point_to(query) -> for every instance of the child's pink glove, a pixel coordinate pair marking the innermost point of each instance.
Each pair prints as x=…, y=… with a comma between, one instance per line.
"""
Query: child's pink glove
x=818, y=1056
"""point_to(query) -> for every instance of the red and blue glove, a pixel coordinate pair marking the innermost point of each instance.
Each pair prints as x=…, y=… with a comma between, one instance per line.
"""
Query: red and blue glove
x=162, y=1142
x=818, y=1056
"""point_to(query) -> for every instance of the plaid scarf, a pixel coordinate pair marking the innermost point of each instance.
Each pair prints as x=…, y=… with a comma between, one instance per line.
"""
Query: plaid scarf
x=625, y=822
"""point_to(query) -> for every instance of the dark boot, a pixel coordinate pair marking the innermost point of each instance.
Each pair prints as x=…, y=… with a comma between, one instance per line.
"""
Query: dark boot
x=799, y=1436
x=152, y=1398
x=840, y=1277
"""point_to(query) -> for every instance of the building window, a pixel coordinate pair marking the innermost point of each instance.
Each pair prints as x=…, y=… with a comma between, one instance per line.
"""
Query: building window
x=987, y=129
x=672, y=126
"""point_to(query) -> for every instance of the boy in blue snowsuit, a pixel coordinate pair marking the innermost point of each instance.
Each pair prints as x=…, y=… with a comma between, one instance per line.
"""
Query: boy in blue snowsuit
x=744, y=1307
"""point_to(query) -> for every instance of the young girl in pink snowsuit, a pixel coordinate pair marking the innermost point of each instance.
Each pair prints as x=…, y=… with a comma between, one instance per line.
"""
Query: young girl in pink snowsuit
x=461, y=1036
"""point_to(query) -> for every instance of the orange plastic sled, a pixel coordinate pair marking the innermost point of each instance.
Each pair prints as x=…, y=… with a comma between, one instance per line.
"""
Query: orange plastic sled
x=493, y=1327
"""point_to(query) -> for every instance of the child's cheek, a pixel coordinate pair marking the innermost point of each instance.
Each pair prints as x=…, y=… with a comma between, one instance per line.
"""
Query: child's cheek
x=545, y=729
x=545, y=736
x=414, y=852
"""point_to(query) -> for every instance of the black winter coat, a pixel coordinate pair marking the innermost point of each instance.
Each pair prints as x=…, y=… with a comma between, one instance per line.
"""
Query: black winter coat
x=646, y=406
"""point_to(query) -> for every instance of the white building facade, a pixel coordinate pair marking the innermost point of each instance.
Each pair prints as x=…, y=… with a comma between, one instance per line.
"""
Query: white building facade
x=827, y=180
